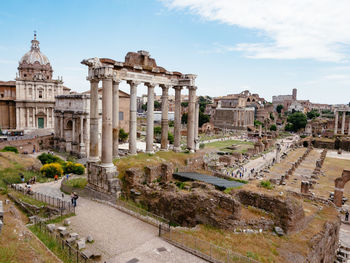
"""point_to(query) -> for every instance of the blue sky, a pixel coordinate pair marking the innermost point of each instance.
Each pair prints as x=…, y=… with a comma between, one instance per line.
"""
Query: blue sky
x=232, y=45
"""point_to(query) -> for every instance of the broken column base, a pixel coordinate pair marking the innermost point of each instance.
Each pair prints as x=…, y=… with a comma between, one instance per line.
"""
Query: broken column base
x=103, y=182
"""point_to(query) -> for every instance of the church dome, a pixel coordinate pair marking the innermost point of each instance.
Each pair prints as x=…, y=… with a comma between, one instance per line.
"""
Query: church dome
x=34, y=55
x=34, y=65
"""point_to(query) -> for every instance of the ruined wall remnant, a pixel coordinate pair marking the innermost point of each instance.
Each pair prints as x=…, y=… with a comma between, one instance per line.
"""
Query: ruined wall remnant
x=288, y=210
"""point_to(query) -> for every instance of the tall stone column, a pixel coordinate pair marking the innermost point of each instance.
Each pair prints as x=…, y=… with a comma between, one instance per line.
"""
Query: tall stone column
x=150, y=116
x=94, y=116
x=81, y=142
x=27, y=118
x=164, y=121
x=107, y=116
x=196, y=124
x=73, y=129
x=34, y=117
x=177, y=118
x=61, y=127
x=191, y=117
x=133, y=120
x=336, y=122
x=343, y=122
x=52, y=118
x=115, y=117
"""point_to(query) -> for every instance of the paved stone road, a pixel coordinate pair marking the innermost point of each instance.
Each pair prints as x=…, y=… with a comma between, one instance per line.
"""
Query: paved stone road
x=119, y=237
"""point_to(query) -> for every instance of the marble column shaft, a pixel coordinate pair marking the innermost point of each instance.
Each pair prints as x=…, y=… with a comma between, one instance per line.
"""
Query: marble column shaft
x=115, y=118
x=94, y=118
x=343, y=123
x=81, y=131
x=191, y=117
x=150, y=118
x=336, y=122
x=73, y=129
x=177, y=118
x=164, y=121
x=133, y=120
x=61, y=127
x=107, y=115
x=196, y=124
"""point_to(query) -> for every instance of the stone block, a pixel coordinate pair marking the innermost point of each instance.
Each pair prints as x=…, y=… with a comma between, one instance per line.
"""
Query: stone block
x=279, y=231
x=7, y=201
x=70, y=240
x=81, y=244
x=1, y=223
x=64, y=233
x=66, y=222
x=74, y=235
x=89, y=239
x=61, y=228
x=51, y=227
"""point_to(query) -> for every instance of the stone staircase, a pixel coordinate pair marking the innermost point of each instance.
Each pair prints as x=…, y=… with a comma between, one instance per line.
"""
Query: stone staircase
x=343, y=254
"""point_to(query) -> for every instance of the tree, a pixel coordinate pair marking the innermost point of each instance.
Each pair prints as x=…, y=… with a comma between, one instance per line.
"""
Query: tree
x=144, y=107
x=123, y=135
x=312, y=114
x=184, y=118
x=271, y=116
x=203, y=118
x=157, y=105
x=279, y=108
x=184, y=104
x=298, y=121
x=273, y=127
x=157, y=130
x=257, y=123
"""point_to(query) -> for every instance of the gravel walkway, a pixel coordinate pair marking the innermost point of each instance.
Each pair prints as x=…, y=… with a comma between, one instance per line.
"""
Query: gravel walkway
x=119, y=237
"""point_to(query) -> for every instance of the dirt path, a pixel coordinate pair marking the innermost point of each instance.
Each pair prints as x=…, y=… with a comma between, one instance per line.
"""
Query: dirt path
x=118, y=236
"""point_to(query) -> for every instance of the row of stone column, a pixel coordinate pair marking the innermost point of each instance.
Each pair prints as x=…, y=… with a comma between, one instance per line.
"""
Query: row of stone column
x=110, y=118
x=24, y=113
x=342, y=124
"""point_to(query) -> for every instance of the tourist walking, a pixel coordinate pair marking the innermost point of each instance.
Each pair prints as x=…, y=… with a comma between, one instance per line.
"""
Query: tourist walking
x=347, y=215
x=56, y=178
x=74, y=198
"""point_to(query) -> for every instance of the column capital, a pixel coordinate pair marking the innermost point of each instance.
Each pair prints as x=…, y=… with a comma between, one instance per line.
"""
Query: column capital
x=177, y=87
x=116, y=81
x=150, y=84
x=105, y=72
x=165, y=86
x=133, y=82
x=192, y=87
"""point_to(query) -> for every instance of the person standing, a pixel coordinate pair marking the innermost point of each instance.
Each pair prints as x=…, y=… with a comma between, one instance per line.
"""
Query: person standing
x=56, y=178
x=347, y=215
x=74, y=198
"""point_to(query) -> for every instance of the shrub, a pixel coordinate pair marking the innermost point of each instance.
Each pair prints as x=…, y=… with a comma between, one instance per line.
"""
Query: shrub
x=123, y=135
x=201, y=146
x=51, y=169
x=75, y=168
x=273, y=127
x=171, y=138
x=46, y=158
x=266, y=184
x=9, y=149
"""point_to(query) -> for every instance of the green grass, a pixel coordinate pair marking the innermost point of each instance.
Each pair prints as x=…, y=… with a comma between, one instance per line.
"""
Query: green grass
x=242, y=146
x=77, y=182
x=52, y=243
x=59, y=219
x=266, y=184
x=27, y=199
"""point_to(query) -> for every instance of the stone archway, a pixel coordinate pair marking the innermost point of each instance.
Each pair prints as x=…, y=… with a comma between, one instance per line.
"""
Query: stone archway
x=339, y=187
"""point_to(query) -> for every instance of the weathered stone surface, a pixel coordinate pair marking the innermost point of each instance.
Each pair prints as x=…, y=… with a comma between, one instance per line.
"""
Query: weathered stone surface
x=287, y=210
x=74, y=235
x=51, y=227
x=61, y=228
x=189, y=208
x=81, y=243
x=89, y=239
x=279, y=231
x=66, y=222
x=0, y=226
x=64, y=233
x=70, y=240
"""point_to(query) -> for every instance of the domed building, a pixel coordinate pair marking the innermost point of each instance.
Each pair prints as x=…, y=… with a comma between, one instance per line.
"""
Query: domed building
x=36, y=91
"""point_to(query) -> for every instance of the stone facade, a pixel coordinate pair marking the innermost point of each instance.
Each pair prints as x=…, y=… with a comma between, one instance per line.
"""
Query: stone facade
x=7, y=104
x=36, y=91
x=74, y=110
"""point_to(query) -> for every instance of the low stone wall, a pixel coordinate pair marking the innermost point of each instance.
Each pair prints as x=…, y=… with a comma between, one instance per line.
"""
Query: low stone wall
x=287, y=210
x=40, y=143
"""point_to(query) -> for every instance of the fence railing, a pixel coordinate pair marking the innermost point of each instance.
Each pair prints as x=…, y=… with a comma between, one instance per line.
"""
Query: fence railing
x=69, y=252
x=201, y=248
x=65, y=207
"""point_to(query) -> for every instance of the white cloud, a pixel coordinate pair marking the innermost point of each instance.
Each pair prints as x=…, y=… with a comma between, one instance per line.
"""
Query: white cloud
x=296, y=29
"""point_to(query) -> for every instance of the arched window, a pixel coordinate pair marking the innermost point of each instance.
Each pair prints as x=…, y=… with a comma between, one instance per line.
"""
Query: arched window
x=40, y=94
x=69, y=124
